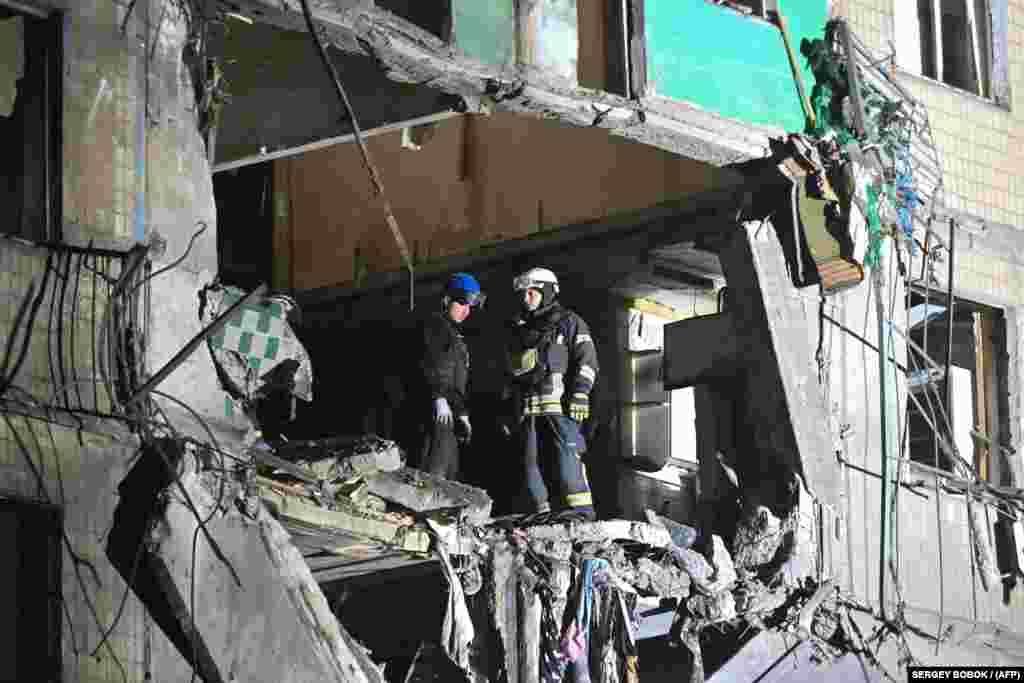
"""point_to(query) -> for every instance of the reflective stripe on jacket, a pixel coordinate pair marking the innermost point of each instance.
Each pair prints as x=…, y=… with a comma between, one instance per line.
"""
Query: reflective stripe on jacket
x=551, y=357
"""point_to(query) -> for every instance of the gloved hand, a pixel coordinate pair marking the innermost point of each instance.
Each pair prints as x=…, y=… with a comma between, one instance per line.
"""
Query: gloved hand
x=467, y=429
x=442, y=411
x=579, y=407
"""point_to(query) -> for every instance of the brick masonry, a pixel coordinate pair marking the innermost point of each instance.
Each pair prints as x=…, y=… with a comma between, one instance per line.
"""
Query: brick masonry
x=134, y=166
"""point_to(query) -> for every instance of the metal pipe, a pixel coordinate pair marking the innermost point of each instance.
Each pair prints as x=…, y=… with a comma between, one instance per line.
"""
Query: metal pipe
x=950, y=311
x=862, y=340
x=876, y=475
x=194, y=343
x=25, y=8
x=910, y=342
x=794, y=65
x=879, y=281
x=852, y=76
x=371, y=168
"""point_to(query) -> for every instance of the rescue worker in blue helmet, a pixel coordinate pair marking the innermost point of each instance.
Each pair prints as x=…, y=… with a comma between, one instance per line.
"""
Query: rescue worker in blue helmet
x=441, y=410
x=552, y=367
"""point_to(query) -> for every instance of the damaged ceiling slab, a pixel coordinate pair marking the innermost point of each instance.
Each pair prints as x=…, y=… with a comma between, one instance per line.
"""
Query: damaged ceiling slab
x=279, y=94
x=409, y=54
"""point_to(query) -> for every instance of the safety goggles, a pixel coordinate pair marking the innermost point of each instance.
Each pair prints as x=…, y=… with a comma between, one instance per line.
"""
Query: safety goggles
x=474, y=299
x=522, y=282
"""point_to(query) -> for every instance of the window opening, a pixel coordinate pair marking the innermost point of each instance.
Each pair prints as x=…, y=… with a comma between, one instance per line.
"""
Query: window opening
x=976, y=383
x=683, y=428
x=962, y=43
x=30, y=588
x=31, y=86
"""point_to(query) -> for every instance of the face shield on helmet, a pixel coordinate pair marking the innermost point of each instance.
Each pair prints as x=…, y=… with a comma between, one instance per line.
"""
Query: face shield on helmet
x=541, y=279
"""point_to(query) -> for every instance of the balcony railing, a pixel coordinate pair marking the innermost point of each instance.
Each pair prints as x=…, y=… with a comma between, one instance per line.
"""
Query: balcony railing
x=78, y=338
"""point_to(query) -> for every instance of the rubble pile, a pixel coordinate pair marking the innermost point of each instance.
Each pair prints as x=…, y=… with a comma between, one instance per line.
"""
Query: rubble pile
x=530, y=598
x=567, y=597
x=536, y=597
x=353, y=496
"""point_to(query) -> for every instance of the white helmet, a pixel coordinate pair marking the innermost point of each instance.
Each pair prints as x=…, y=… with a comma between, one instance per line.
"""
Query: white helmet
x=536, y=278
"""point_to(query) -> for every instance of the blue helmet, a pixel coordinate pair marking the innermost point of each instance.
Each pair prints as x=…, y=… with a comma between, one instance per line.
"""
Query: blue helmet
x=464, y=288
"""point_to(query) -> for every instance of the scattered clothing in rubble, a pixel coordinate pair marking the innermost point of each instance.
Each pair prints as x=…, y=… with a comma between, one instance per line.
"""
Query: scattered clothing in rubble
x=457, y=632
x=574, y=639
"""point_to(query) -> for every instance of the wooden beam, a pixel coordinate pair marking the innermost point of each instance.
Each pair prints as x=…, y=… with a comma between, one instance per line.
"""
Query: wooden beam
x=984, y=388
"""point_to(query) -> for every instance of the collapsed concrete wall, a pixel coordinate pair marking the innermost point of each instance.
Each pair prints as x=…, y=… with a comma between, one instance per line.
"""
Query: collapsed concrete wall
x=230, y=589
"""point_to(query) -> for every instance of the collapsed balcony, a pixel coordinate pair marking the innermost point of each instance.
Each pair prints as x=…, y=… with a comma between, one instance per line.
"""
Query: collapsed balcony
x=235, y=558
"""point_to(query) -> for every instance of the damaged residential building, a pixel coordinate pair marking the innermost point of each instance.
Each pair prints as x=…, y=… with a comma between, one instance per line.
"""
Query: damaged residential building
x=793, y=228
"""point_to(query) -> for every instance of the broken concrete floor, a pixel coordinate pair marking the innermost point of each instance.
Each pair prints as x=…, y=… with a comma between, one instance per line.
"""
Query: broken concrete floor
x=234, y=555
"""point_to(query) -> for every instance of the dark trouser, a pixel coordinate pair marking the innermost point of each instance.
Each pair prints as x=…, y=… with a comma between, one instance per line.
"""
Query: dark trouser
x=550, y=451
x=440, y=451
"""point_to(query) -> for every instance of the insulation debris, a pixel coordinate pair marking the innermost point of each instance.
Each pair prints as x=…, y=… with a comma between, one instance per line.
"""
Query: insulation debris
x=423, y=492
x=590, y=581
x=258, y=358
x=529, y=598
x=359, y=489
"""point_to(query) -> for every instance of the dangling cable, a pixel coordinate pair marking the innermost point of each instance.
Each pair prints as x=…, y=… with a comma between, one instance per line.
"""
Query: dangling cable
x=378, y=185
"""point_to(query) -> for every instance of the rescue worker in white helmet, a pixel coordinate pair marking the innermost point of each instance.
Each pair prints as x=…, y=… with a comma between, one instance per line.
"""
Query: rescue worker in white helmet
x=440, y=410
x=552, y=366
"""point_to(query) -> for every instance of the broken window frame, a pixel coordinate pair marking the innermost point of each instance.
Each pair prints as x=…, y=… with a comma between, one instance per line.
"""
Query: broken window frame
x=38, y=576
x=922, y=50
x=760, y=9
x=626, y=48
x=39, y=217
x=989, y=382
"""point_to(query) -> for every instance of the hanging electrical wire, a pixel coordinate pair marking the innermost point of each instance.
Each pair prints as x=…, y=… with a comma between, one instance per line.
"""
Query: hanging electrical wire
x=77, y=561
x=378, y=184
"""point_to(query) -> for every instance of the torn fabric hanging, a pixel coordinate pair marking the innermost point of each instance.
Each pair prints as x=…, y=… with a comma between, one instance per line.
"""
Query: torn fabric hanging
x=259, y=360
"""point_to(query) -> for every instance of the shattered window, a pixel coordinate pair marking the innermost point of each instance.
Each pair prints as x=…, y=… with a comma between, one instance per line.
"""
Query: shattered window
x=756, y=8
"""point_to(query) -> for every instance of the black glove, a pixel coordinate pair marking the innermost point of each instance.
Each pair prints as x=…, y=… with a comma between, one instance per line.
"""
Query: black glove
x=466, y=427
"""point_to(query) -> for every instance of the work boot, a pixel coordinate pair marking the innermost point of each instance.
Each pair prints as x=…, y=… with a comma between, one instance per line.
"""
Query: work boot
x=578, y=514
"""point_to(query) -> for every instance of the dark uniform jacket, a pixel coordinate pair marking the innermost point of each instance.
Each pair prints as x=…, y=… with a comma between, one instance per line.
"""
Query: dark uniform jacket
x=551, y=357
x=444, y=363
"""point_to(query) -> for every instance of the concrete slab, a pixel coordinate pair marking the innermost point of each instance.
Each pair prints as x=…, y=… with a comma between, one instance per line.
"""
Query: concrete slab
x=248, y=607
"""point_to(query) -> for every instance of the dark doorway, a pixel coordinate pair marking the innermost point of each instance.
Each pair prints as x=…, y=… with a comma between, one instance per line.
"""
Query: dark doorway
x=30, y=593
x=245, y=224
x=31, y=89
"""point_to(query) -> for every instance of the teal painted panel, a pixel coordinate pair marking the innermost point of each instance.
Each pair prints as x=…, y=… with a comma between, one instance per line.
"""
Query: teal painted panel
x=728, y=63
x=486, y=30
